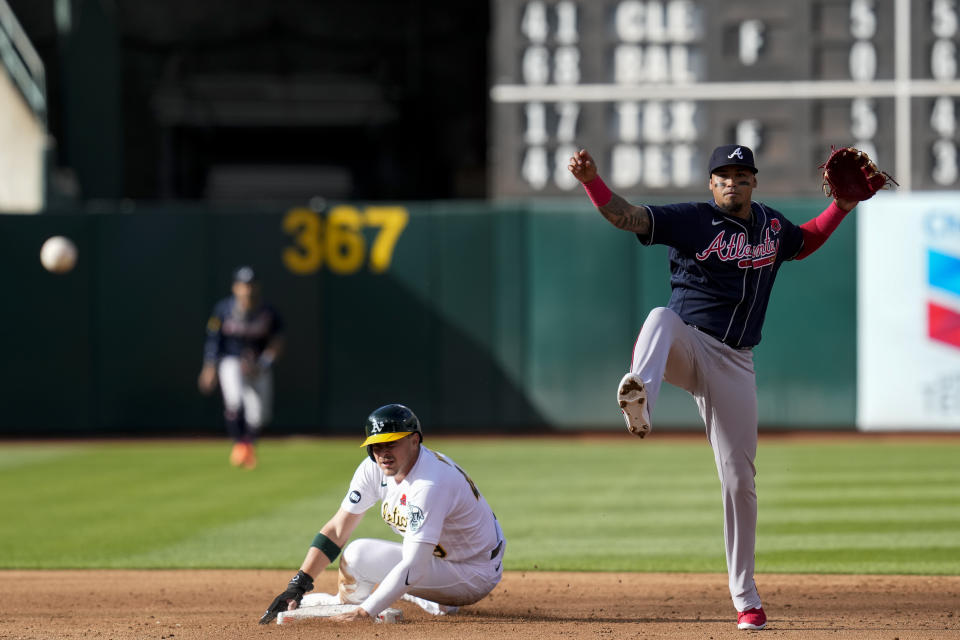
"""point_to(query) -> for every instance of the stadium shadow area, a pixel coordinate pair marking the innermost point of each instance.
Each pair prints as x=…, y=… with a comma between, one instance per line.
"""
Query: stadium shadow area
x=113, y=348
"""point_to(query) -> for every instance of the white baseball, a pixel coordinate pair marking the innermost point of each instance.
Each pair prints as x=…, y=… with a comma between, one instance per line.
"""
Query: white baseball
x=58, y=254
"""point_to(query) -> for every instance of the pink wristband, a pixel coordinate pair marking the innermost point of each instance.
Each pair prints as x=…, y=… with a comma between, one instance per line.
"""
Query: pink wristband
x=598, y=192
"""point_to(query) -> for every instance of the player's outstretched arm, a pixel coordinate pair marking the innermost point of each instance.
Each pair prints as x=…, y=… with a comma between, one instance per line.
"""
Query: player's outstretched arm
x=324, y=550
x=817, y=230
x=626, y=216
x=615, y=209
x=332, y=538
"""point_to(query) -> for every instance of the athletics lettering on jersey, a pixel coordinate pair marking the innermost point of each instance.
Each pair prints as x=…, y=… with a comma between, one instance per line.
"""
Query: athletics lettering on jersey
x=403, y=516
x=394, y=517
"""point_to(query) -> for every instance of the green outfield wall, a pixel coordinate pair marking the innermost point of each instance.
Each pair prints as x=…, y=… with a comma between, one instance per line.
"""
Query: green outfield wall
x=506, y=317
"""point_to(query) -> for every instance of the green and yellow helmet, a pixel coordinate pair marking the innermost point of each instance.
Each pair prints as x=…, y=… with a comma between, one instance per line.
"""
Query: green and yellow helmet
x=388, y=423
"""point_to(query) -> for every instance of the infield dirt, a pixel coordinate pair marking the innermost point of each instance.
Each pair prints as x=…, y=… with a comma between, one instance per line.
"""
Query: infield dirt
x=191, y=604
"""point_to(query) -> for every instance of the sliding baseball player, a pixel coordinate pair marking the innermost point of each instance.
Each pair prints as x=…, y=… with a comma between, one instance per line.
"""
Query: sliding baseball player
x=452, y=546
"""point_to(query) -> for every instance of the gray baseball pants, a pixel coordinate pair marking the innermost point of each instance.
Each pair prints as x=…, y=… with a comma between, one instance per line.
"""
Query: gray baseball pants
x=722, y=381
x=254, y=394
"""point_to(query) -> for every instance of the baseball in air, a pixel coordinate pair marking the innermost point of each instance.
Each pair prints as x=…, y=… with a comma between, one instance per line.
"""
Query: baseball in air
x=58, y=254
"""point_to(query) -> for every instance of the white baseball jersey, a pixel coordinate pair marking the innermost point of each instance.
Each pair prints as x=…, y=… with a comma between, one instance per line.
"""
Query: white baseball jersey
x=436, y=503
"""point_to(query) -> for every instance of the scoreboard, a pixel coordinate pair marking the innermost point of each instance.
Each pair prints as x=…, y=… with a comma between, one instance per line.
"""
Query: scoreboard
x=650, y=87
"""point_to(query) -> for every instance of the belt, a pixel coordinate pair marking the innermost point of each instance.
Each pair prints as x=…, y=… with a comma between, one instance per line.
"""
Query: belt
x=496, y=550
x=718, y=338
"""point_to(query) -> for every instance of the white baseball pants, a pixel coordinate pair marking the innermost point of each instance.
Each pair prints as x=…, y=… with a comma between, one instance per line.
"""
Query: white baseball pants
x=254, y=394
x=722, y=381
x=366, y=561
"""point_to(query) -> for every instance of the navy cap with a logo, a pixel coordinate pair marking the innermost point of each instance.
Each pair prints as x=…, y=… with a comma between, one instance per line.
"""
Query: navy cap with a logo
x=732, y=154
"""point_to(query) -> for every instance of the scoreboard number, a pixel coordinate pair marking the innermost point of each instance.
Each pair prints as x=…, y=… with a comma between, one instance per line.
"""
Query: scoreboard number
x=651, y=86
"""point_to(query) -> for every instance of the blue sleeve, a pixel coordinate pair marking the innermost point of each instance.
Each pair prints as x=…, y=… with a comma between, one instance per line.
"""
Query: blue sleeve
x=673, y=225
x=791, y=242
x=211, y=345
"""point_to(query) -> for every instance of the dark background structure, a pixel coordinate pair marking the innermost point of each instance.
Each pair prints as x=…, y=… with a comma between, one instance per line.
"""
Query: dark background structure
x=231, y=100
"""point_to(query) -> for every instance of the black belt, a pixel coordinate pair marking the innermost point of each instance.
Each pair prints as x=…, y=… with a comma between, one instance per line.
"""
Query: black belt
x=718, y=338
x=496, y=550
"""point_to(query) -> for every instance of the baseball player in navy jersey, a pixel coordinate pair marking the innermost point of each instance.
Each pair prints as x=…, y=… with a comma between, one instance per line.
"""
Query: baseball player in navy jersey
x=724, y=257
x=453, y=547
x=244, y=339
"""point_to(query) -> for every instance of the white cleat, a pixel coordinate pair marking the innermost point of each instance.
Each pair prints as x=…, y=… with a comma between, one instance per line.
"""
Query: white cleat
x=430, y=606
x=632, y=398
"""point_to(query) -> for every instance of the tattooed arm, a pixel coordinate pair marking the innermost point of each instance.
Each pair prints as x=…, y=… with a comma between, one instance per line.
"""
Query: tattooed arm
x=626, y=216
x=615, y=209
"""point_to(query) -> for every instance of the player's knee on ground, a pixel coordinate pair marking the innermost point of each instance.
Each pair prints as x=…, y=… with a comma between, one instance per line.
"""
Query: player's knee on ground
x=351, y=591
x=361, y=569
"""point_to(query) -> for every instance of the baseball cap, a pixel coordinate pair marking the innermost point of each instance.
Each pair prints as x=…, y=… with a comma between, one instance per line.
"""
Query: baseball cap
x=244, y=274
x=732, y=154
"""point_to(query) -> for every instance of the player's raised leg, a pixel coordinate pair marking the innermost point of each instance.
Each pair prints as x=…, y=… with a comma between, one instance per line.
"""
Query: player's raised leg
x=661, y=346
x=632, y=398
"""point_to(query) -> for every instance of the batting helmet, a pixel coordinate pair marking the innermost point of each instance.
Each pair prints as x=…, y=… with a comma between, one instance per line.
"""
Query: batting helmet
x=390, y=422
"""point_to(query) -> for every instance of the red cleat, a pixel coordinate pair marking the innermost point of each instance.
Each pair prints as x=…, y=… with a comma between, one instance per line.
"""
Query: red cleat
x=752, y=619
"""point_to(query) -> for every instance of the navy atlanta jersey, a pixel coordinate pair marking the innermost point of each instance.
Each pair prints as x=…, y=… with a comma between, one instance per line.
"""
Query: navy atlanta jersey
x=230, y=332
x=722, y=268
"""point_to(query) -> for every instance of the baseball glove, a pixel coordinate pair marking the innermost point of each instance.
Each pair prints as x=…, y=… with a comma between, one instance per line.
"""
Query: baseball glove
x=850, y=174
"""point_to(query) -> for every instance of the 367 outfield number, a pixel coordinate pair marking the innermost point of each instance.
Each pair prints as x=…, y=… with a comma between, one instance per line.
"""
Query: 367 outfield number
x=338, y=238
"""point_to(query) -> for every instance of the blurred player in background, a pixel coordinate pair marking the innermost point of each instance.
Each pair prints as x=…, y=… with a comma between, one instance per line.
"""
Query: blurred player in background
x=244, y=340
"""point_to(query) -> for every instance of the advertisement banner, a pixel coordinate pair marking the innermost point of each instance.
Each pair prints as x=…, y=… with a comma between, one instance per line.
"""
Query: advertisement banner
x=908, y=312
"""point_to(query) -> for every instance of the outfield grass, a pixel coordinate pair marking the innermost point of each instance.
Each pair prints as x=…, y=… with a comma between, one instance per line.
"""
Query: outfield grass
x=859, y=505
